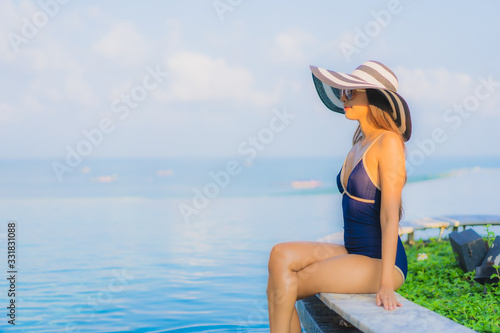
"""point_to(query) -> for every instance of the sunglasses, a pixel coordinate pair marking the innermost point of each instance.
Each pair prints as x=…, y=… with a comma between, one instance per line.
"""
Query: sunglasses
x=348, y=93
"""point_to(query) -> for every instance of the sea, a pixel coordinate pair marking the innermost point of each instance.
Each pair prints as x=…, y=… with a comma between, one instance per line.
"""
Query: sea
x=182, y=245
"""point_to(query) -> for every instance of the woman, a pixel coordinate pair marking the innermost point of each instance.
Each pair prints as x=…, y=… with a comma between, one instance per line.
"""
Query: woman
x=372, y=259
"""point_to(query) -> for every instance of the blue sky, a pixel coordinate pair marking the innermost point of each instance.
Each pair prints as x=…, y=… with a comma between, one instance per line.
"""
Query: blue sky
x=224, y=69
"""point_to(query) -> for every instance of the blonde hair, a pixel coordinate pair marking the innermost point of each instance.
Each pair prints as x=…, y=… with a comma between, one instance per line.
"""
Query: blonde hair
x=381, y=119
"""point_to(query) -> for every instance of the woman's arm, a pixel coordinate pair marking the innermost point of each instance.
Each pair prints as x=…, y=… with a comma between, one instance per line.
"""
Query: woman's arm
x=391, y=169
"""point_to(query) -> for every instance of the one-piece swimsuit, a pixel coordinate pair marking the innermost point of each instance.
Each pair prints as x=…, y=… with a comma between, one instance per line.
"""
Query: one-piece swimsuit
x=361, y=209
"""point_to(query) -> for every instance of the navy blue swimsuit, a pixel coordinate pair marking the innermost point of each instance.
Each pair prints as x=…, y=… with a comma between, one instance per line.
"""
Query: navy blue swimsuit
x=361, y=208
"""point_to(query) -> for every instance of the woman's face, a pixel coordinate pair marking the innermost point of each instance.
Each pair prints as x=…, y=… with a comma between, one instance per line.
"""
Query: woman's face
x=357, y=107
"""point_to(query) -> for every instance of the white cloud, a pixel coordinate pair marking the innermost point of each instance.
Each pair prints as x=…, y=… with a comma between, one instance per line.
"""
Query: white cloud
x=31, y=103
x=121, y=87
x=77, y=89
x=173, y=33
x=52, y=57
x=266, y=99
x=94, y=11
x=11, y=23
x=40, y=87
x=73, y=23
x=491, y=106
x=28, y=7
x=123, y=44
x=7, y=113
x=54, y=71
x=435, y=95
x=290, y=46
x=430, y=92
x=198, y=77
x=52, y=76
x=437, y=86
x=443, y=89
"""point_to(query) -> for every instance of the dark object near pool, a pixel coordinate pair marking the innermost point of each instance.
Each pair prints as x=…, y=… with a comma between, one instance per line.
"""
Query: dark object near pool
x=483, y=274
x=493, y=255
x=469, y=249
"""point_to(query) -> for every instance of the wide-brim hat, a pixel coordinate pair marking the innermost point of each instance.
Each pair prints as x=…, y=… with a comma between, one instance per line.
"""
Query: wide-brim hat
x=370, y=75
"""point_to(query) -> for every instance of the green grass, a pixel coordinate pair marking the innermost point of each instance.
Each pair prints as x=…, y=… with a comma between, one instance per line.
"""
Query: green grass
x=439, y=284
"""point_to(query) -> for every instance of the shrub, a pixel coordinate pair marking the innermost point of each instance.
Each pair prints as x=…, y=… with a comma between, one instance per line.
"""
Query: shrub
x=439, y=284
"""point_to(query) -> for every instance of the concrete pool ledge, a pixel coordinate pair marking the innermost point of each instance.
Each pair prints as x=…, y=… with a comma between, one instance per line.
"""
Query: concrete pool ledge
x=361, y=311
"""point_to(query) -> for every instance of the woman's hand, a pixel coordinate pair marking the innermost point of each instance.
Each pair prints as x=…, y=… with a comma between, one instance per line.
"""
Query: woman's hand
x=387, y=297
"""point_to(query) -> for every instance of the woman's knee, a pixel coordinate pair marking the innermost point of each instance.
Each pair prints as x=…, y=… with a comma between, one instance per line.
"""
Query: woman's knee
x=297, y=255
x=279, y=256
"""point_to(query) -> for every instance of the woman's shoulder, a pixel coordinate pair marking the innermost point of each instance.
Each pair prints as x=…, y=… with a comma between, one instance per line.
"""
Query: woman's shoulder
x=391, y=156
x=389, y=142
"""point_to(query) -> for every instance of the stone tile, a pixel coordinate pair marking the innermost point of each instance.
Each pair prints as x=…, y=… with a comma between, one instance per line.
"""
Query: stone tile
x=361, y=311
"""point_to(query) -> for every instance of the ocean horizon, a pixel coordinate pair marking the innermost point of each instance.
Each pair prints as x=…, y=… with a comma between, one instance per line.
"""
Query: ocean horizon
x=178, y=177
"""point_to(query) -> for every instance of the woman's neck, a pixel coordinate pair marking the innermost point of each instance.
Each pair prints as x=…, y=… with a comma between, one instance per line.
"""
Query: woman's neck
x=368, y=132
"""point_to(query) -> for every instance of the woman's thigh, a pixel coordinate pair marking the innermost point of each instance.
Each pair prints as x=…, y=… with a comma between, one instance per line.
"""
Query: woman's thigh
x=349, y=273
x=297, y=255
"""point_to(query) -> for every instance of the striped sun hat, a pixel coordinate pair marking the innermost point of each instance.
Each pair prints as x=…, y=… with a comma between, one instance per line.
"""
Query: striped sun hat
x=370, y=75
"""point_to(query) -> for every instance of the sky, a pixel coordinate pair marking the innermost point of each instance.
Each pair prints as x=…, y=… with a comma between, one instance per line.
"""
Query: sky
x=217, y=78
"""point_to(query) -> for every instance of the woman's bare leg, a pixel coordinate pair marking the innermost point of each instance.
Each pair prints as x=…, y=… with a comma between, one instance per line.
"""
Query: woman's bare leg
x=350, y=274
x=338, y=272
x=285, y=260
x=295, y=323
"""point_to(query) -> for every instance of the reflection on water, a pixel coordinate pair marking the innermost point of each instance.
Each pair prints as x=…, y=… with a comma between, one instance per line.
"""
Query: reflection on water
x=110, y=265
